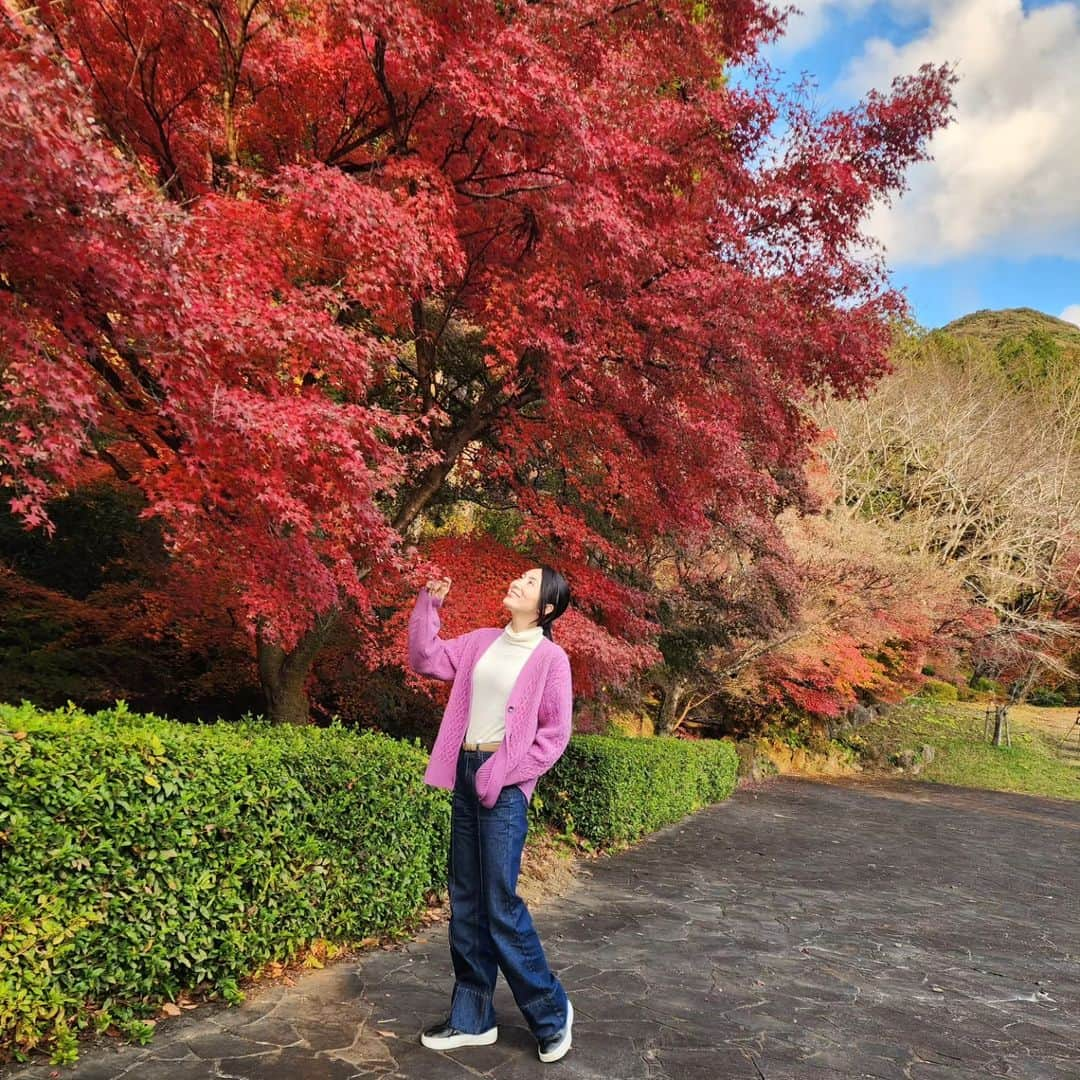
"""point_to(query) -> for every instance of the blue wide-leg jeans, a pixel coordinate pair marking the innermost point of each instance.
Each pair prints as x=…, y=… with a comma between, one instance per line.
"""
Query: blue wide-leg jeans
x=490, y=926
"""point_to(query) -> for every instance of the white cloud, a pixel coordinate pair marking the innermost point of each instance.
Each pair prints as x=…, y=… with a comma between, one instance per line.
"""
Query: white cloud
x=811, y=21
x=1071, y=314
x=813, y=18
x=1005, y=179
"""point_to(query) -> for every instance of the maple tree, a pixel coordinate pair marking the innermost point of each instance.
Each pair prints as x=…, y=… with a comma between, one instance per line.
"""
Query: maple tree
x=302, y=272
x=830, y=613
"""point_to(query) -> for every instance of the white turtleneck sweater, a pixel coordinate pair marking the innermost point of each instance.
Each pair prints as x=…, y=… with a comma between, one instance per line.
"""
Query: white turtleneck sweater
x=493, y=678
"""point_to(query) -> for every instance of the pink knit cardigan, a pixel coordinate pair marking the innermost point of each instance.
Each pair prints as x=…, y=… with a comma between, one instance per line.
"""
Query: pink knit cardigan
x=538, y=711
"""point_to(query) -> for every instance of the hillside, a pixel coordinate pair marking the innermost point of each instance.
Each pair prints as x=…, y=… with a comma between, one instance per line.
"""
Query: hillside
x=1032, y=350
x=991, y=328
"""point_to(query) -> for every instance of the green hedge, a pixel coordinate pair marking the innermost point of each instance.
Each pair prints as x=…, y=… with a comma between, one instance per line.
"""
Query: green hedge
x=612, y=790
x=140, y=857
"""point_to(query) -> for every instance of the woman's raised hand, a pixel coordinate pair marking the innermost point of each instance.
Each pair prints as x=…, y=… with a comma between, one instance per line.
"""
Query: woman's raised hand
x=439, y=587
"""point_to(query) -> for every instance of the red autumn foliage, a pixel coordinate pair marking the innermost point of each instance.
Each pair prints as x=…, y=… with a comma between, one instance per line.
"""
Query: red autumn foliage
x=237, y=237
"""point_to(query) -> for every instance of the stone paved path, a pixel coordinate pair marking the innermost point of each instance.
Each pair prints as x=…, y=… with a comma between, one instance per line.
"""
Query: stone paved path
x=799, y=930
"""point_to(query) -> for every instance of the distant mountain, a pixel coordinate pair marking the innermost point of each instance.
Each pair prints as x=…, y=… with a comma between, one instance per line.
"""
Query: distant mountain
x=1032, y=351
x=992, y=328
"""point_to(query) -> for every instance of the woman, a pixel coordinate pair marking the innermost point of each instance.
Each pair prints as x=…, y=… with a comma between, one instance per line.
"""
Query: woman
x=507, y=722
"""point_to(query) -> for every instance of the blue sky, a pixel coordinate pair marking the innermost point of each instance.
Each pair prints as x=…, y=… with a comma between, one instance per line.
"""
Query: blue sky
x=994, y=220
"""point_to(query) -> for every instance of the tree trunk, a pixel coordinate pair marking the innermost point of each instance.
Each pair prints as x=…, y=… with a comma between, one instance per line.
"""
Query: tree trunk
x=286, y=698
x=1020, y=689
x=284, y=675
x=669, y=708
x=1000, y=715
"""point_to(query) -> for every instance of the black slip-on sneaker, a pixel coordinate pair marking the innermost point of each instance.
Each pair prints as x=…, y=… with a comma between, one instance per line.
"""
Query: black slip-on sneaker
x=554, y=1048
x=442, y=1036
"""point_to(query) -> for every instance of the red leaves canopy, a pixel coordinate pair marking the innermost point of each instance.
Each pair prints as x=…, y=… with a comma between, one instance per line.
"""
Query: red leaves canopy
x=220, y=225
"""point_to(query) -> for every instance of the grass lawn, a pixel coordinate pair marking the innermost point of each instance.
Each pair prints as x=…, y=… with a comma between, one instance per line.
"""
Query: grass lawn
x=1035, y=764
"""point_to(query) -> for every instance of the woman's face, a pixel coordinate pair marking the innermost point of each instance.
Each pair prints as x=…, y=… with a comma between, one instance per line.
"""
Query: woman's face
x=523, y=596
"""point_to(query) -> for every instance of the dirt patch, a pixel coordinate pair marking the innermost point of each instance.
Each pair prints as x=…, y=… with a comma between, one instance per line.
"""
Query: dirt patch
x=802, y=761
x=548, y=870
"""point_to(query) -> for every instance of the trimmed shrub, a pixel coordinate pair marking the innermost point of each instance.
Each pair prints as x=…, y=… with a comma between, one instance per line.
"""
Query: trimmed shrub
x=611, y=790
x=141, y=857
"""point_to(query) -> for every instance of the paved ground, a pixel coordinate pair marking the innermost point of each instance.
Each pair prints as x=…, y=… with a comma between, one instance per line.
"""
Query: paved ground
x=799, y=930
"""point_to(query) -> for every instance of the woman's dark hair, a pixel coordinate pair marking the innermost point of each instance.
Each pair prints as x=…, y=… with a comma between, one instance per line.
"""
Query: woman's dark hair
x=555, y=591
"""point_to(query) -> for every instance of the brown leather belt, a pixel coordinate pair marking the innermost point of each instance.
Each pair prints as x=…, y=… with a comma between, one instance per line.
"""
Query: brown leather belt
x=481, y=745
